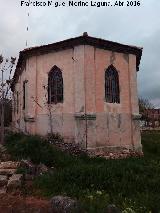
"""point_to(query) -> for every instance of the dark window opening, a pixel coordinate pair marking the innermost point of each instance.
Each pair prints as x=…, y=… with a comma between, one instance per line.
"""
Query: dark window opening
x=14, y=104
x=55, y=86
x=17, y=102
x=112, y=94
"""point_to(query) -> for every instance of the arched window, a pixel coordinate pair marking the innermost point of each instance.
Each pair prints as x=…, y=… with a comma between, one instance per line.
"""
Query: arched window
x=112, y=85
x=55, y=86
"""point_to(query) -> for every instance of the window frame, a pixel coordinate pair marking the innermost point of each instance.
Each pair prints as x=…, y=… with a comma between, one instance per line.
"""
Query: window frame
x=24, y=95
x=55, y=86
x=17, y=103
x=112, y=89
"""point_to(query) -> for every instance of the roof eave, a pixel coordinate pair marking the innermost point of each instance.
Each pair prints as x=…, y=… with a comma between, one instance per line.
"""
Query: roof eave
x=70, y=43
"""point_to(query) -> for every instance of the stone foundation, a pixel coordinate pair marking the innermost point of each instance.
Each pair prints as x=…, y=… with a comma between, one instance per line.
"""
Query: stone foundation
x=115, y=153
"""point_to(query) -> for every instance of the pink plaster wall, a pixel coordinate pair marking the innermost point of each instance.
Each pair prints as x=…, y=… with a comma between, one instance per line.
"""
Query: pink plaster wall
x=83, y=69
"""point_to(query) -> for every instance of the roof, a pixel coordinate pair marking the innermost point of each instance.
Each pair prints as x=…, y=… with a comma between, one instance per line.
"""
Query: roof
x=153, y=111
x=70, y=43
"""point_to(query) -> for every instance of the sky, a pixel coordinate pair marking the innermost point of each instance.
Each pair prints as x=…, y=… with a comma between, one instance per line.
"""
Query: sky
x=136, y=25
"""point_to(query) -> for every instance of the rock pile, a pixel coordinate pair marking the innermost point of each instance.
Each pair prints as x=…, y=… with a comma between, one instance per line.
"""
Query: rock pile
x=33, y=169
x=9, y=180
x=64, y=204
x=12, y=182
x=121, y=155
x=71, y=148
x=76, y=150
x=116, y=154
x=4, y=156
x=112, y=209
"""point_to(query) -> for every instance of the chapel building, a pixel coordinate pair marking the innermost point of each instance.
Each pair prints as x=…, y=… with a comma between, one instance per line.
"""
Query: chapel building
x=83, y=88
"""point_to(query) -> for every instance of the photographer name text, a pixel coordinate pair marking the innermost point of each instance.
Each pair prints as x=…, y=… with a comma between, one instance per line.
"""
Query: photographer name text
x=71, y=3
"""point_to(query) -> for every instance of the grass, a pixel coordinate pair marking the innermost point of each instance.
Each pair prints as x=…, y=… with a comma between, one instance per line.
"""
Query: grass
x=128, y=183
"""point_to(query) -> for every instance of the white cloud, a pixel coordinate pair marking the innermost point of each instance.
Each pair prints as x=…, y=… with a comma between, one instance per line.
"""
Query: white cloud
x=138, y=26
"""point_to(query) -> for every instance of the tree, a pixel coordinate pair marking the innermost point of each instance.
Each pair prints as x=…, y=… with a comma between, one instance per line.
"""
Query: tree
x=7, y=111
x=145, y=106
x=6, y=67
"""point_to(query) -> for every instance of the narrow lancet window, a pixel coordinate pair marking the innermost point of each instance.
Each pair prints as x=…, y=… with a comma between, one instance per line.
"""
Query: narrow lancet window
x=24, y=94
x=55, y=86
x=112, y=94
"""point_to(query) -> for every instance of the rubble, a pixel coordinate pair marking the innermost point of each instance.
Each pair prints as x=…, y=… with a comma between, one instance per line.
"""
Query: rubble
x=15, y=181
x=4, y=156
x=41, y=169
x=33, y=169
x=3, y=190
x=117, y=154
x=61, y=204
x=29, y=166
x=8, y=177
x=112, y=209
x=121, y=155
x=76, y=150
x=3, y=180
x=71, y=148
x=7, y=172
x=9, y=165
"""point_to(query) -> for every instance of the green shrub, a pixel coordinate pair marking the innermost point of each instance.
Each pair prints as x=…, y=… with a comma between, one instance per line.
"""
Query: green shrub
x=37, y=149
x=131, y=184
x=34, y=148
x=151, y=143
x=22, y=170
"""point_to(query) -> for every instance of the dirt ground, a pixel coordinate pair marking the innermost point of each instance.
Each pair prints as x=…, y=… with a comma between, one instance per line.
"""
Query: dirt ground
x=19, y=204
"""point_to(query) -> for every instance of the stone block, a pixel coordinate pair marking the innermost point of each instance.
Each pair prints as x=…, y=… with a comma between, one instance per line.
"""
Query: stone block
x=9, y=165
x=15, y=181
x=61, y=204
x=7, y=171
x=3, y=190
x=3, y=180
x=41, y=169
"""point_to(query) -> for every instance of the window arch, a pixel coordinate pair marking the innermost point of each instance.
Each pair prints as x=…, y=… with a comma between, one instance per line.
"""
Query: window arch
x=112, y=94
x=55, y=86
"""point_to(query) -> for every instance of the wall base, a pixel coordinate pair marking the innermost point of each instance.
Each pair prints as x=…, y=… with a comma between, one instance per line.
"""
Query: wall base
x=113, y=152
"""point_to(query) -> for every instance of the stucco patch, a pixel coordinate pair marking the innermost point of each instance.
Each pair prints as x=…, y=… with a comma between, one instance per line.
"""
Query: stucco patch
x=112, y=58
x=119, y=121
x=126, y=57
x=82, y=109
